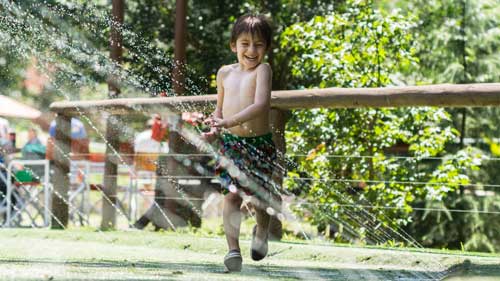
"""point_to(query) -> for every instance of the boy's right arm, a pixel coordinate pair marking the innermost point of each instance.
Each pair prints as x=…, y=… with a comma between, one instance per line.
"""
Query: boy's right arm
x=220, y=92
x=220, y=100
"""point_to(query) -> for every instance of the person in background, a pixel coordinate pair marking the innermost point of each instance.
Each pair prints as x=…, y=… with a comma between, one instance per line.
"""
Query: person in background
x=32, y=139
x=79, y=140
x=34, y=150
x=6, y=144
x=77, y=129
x=147, y=146
x=4, y=128
x=149, y=141
x=6, y=148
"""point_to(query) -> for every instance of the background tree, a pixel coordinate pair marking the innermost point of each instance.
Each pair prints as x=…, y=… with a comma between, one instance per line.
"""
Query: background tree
x=363, y=47
x=458, y=42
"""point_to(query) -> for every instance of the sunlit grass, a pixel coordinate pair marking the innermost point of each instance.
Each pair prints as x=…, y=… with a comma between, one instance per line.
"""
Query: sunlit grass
x=88, y=254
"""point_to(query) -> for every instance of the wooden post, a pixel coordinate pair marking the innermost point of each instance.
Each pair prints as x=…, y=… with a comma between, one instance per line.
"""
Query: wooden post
x=60, y=178
x=278, y=120
x=176, y=208
x=110, y=174
x=170, y=214
x=174, y=139
x=112, y=128
x=178, y=79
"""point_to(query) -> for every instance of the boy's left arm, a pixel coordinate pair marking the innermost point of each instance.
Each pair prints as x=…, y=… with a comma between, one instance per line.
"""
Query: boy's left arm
x=262, y=101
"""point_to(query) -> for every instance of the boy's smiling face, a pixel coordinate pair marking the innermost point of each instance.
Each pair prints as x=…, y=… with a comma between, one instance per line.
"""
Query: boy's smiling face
x=250, y=50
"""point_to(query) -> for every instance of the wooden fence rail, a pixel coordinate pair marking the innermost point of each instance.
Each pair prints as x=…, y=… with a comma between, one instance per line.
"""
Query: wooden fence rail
x=445, y=95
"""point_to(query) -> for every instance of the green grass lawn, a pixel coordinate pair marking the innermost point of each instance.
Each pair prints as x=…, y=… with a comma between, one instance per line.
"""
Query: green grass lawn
x=76, y=254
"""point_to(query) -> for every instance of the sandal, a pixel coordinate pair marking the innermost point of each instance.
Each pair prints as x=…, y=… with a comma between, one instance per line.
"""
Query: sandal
x=233, y=261
x=259, y=248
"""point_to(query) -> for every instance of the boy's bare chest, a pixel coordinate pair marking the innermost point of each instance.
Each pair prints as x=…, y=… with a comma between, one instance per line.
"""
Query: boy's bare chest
x=240, y=85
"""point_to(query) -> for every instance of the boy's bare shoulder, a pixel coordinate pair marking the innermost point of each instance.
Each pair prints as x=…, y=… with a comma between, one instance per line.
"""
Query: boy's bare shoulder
x=264, y=65
x=264, y=69
x=225, y=69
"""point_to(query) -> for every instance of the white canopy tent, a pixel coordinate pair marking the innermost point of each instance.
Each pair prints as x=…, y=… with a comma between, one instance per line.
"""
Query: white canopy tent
x=12, y=108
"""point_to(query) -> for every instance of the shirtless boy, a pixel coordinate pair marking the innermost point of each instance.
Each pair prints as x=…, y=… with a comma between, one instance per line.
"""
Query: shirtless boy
x=248, y=153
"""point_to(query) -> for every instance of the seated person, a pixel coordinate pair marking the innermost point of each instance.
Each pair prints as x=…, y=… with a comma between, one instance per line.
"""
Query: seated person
x=6, y=148
x=34, y=150
x=4, y=128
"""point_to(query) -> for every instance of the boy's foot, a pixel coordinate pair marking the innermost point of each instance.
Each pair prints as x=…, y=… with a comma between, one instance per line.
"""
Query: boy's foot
x=259, y=247
x=233, y=261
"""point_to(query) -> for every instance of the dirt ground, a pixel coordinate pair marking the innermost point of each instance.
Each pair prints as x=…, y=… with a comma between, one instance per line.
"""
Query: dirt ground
x=30, y=254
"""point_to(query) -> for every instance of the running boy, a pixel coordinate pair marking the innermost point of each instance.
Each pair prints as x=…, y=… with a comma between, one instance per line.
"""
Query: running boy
x=248, y=152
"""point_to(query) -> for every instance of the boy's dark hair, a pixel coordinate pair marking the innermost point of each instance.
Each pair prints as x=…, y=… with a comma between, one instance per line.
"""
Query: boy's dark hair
x=253, y=24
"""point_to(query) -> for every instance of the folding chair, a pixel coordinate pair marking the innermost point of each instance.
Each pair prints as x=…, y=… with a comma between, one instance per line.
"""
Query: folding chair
x=27, y=194
x=3, y=192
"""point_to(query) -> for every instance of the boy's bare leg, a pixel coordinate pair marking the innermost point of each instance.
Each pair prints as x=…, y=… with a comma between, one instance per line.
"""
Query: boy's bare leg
x=263, y=219
x=231, y=216
x=262, y=216
x=260, y=236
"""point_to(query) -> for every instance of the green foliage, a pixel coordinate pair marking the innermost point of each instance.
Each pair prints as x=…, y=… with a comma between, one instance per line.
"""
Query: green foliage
x=363, y=47
x=453, y=173
x=208, y=26
x=355, y=49
x=208, y=32
x=11, y=69
x=451, y=228
x=458, y=42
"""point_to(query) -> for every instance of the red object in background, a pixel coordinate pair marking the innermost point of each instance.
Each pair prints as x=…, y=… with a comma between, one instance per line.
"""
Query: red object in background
x=96, y=157
x=158, y=130
x=126, y=149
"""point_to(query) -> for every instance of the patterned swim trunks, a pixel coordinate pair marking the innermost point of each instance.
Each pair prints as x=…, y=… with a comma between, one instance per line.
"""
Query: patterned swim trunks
x=247, y=164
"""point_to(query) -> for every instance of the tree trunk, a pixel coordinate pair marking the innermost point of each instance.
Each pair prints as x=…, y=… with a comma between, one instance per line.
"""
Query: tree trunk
x=178, y=80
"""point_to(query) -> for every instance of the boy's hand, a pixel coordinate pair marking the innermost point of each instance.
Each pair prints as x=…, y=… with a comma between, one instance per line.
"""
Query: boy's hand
x=216, y=122
x=219, y=122
x=210, y=135
x=208, y=121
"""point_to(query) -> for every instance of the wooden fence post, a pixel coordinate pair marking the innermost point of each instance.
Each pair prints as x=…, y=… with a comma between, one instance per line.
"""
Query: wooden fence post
x=110, y=174
x=168, y=187
x=177, y=211
x=60, y=178
x=278, y=120
x=112, y=129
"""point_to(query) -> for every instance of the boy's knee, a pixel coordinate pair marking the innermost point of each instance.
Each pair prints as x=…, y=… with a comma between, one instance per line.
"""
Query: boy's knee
x=233, y=198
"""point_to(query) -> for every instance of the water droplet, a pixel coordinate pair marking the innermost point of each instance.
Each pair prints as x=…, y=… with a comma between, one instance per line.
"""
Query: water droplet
x=232, y=188
x=270, y=211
